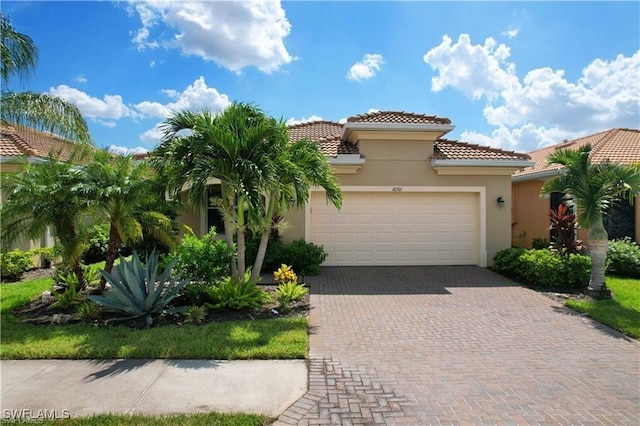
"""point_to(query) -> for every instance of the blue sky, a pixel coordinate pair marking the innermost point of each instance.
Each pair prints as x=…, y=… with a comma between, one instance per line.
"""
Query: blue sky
x=515, y=75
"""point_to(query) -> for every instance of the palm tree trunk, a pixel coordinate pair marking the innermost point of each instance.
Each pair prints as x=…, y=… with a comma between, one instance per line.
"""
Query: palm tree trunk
x=240, y=234
x=77, y=269
x=112, y=253
x=262, y=250
x=598, y=242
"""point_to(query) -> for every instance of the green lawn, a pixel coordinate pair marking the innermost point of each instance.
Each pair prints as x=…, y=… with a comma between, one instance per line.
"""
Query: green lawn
x=622, y=312
x=284, y=338
x=208, y=419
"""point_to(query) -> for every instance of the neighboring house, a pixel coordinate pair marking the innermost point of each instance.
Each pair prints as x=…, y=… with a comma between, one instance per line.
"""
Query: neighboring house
x=530, y=211
x=20, y=146
x=410, y=197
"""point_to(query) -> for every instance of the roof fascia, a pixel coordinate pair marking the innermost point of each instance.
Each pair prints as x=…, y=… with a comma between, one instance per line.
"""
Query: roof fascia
x=402, y=127
x=482, y=163
x=544, y=174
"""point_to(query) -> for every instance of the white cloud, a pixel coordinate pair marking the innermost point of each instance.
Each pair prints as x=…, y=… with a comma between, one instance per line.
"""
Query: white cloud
x=123, y=150
x=80, y=78
x=105, y=123
x=342, y=120
x=110, y=106
x=513, y=33
x=366, y=68
x=233, y=34
x=153, y=135
x=544, y=107
x=195, y=97
x=372, y=110
x=293, y=121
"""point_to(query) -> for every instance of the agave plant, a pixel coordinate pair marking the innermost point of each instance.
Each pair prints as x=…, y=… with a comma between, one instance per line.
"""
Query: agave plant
x=137, y=290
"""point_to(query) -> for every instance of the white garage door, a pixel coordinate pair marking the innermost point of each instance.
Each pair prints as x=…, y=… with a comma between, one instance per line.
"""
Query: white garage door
x=397, y=228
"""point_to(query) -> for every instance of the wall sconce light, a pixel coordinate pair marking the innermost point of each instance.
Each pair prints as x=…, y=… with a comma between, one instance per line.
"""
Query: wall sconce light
x=500, y=202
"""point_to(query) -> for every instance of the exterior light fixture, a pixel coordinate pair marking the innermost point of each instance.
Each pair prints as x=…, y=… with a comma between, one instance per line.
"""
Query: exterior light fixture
x=500, y=202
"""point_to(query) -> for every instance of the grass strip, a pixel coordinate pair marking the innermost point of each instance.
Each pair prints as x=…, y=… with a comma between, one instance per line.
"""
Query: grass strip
x=622, y=312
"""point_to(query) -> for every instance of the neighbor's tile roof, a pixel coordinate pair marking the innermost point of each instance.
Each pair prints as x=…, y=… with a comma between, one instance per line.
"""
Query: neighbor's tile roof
x=328, y=135
x=397, y=117
x=619, y=145
x=446, y=149
x=18, y=141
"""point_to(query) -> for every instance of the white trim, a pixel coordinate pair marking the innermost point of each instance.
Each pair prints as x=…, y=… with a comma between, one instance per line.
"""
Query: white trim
x=480, y=190
x=346, y=160
x=404, y=127
x=482, y=163
x=538, y=175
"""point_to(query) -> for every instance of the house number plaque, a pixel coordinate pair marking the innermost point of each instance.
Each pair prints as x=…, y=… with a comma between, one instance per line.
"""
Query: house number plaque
x=396, y=189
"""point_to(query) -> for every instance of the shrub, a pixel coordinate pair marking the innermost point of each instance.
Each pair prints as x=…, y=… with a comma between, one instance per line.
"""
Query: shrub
x=87, y=312
x=98, y=237
x=304, y=257
x=237, y=294
x=205, y=259
x=273, y=255
x=539, y=243
x=196, y=292
x=138, y=292
x=14, y=264
x=285, y=274
x=544, y=268
x=288, y=292
x=623, y=258
x=506, y=262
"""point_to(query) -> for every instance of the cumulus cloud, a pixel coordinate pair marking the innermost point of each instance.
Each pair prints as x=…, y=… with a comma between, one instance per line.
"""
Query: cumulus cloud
x=366, y=68
x=195, y=97
x=293, y=121
x=123, y=150
x=110, y=106
x=543, y=107
x=235, y=35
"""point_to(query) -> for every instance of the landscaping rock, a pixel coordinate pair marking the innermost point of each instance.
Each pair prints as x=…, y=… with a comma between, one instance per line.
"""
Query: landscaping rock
x=45, y=296
x=61, y=319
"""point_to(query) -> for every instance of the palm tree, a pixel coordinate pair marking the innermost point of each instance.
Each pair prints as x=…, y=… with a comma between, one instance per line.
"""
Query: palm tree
x=38, y=110
x=234, y=147
x=591, y=189
x=45, y=195
x=120, y=191
x=297, y=166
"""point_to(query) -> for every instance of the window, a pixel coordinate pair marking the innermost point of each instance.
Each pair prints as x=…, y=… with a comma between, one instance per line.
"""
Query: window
x=214, y=216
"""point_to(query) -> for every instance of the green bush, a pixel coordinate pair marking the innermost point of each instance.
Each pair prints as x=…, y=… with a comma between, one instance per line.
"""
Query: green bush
x=305, y=258
x=271, y=257
x=237, y=294
x=544, y=268
x=205, y=259
x=623, y=258
x=506, y=262
x=540, y=243
x=288, y=292
x=14, y=264
x=98, y=236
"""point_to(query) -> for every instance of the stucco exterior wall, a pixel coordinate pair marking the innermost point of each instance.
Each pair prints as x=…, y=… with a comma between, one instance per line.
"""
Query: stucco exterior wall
x=529, y=214
x=408, y=163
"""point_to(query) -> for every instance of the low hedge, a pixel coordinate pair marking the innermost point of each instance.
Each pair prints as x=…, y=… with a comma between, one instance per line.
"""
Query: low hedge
x=544, y=268
x=623, y=258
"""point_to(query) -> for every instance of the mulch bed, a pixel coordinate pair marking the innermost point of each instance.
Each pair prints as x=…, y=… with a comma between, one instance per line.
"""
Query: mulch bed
x=38, y=312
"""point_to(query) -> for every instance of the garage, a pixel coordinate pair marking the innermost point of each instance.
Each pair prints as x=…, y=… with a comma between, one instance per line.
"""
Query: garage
x=398, y=227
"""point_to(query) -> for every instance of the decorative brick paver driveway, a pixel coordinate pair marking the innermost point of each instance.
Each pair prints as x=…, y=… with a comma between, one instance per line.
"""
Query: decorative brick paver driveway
x=458, y=345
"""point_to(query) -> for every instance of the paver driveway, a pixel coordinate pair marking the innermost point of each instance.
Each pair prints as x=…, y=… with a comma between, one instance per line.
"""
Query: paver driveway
x=456, y=345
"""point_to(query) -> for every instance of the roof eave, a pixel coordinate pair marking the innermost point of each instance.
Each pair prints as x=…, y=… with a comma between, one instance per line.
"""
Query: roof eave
x=346, y=160
x=21, y=159
x=544, y=174
x=400, y=127
x=481, y=163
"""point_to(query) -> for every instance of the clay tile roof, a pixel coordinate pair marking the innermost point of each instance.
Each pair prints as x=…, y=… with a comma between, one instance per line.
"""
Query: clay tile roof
x=445, y=149
x=315, y=130
x=397, y=117
x=327, y=134
x=18, y=141
x=619, y=145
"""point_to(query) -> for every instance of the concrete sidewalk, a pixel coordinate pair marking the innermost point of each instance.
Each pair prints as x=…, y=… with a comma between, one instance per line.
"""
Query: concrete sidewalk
x=79, y=388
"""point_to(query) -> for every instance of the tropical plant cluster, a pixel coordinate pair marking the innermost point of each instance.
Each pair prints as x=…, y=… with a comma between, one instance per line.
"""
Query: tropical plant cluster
x=14, y=263
x=304, y=257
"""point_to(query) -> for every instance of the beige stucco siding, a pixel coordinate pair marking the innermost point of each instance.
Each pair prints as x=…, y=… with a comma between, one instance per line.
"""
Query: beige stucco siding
x=408, y=163
x=530, y=213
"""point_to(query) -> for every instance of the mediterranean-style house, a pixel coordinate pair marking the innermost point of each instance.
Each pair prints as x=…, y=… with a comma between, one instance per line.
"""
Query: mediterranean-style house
x=20, y=146
x=530, y=211
x=410, y=196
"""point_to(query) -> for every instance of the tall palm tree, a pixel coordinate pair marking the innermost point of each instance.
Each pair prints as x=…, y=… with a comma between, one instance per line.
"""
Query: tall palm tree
x=297, y=167
x=120, y=191
x=234, y=147
x=38, y=110
x=45, y=195
x=591, y=189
